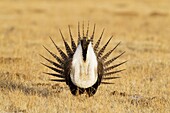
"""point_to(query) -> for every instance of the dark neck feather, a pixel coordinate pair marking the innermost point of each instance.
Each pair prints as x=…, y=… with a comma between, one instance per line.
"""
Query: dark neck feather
x=84, y=44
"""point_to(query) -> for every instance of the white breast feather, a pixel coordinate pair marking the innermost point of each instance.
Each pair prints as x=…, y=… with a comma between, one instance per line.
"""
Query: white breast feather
x=84, y=74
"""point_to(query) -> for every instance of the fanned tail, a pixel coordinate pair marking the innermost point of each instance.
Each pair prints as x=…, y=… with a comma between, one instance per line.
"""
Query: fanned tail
x=68, y=49
x=114, y=66
x=55, y=75
x=54, y=69
x=113, y=59
x=52, y=62
x=87, y=30
x=100, y=53
x=62, y=54
x=79, y=37
x=92, y=37
x=113, y=72
x=58, y=80
x=107, y=83
x=73, y=45
x=109, y=78
x=55, y=56
x=108, y=53
x=96, y=46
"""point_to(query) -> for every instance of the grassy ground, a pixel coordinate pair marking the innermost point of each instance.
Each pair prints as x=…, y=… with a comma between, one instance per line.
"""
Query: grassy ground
x=143, y=27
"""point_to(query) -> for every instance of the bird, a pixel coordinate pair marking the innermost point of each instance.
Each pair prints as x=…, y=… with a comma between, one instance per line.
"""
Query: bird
x=84, y=66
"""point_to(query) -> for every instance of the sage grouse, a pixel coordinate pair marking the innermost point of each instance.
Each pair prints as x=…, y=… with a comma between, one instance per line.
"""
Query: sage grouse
x=84, y=66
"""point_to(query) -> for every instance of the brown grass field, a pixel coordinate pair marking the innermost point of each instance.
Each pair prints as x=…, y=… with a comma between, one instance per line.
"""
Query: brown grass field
x=143, y=27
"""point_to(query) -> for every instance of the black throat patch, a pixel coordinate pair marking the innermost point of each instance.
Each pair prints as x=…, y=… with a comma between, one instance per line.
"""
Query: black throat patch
x=84, y=43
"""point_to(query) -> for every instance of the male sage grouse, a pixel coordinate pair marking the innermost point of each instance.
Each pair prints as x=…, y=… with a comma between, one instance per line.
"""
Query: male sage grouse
x=83, y=67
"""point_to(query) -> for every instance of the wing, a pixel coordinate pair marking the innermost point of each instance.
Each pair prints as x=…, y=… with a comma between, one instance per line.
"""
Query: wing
x=100, y=71
x=67, y=67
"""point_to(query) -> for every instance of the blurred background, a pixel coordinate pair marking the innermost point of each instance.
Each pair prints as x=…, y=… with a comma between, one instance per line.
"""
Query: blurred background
x=25, y=23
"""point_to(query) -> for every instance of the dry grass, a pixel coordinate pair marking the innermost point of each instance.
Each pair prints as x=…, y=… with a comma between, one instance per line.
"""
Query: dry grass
x=143, y=27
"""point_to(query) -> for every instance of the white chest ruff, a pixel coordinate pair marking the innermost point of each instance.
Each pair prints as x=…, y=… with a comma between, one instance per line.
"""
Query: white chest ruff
x=84, y=74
